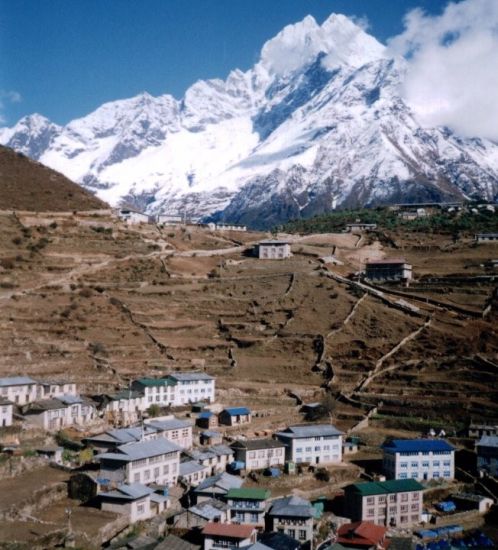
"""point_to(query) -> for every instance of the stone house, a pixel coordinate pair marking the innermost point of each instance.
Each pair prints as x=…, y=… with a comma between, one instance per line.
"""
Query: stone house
x=257, y=454
x=177, y=430
x=207, y=420
x=155, y=461
x=248, y=505
x=192, y=473
x=110, y=440
x=395, y=503
x=235, y=416
x=363, y=535
x=202, y=513
x=292, y=516
x=47, y=389
x=55, y=414
x=422, y=459
x=123, y=407
x=273, y=250
x=19, y=389
x=312, y=443
x=136, y=501
x=217, y=457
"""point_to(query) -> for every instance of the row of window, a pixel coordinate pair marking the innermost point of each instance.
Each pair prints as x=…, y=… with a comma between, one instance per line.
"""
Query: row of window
x=264, y=454
x=425, y=464
x=156, y=472
x=414, y=475
x=424, y=453
x=317, y=449
x=403, y=497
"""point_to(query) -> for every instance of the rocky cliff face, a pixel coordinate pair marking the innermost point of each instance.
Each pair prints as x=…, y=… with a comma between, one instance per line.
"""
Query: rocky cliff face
x=317, y=123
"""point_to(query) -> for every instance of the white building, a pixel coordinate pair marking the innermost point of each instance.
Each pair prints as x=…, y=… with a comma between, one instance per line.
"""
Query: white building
x=394, y=269
x=312, y=443
x=230, y=227
x=155, y=461
x=257, y=454
x=176, y=430
x=273, y=250
x=169, y=219
x=6, y=409
x=217, y=457
x=228, y=536
x=358, y=227
x=55, y=414
x=421, y=459
x=48, y=389
x=486, y=237
x=131, y=216
x=190, y=387
x=156, y=391
x=138, y=502
x=112, y=439
x=19, y=389
x=192, y=473
x=123, y=407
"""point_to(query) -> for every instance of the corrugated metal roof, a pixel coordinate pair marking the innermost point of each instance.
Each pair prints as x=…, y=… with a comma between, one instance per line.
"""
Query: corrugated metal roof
x=387, y=487
x=165, y=425
x=223, y=481
x=310, y=430
x=206, y=414
x=249, y=493
x=190, y=376
x=488, y=441
x=229, y=530
x=154, y=382
x=417, y=445
x=387, y=261
x=143, y=449
x=255, y=444
x=132, y=491
x=291, y=507
x=209, y=509
x=190, y=467
x=234, y=411
x=16, y=381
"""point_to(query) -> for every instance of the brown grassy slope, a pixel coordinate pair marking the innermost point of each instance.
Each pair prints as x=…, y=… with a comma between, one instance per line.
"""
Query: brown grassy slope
x=28, y=185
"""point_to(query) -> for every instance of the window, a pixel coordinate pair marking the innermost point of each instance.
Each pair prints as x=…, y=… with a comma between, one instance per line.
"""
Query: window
x=436, y=464
x=308, y=449
x=302, y=534
x=298, y=450
x=292, y=533
x=156, y=472
x=435, y=475
x=414, y=475
x=136, y=477
x=392, y=498
x=447, y=473
x=371, y=512
x=414, y=464
x=147, y=475
x=382, y=499
x=317, y=449
x=254, y=517
x=370, y=500
x=414, y=507
x=404, y=465
x=404, y=497
x=140, y=508
x=403, y=508
x=392, y=509
x=403, y=475
x=415, y=496
x=404, y=519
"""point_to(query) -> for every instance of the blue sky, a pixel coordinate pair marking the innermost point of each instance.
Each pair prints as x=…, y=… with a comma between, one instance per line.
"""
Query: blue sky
x=64, y=58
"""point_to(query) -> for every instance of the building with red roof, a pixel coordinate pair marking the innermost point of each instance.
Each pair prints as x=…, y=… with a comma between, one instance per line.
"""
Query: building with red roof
x=362, y=534
x=228, y=536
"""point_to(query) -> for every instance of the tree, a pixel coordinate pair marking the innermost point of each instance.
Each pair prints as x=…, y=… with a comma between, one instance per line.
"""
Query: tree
x=154, y=410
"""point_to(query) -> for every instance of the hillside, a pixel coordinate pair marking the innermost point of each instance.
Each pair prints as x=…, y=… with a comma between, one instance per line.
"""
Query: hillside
x=28, y=185
x=89, y=298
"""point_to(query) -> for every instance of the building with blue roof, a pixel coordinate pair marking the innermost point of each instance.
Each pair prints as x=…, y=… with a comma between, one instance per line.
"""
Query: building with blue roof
x=207, y=420
x=235, y=416
x=421, y=459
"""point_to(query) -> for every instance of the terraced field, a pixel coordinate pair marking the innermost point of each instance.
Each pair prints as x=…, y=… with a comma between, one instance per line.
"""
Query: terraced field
x=87, y=297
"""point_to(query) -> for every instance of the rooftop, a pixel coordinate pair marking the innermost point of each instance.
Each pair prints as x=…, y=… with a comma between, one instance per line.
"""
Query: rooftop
x=16, y=381
x=190, y=467
x=122, y=435
x=209, y=509
x=249, y=493
x=274, y=242
x=229, y=530
x=133, y=491
x=150, y=382
x=417, y=445
x=255, y=444
x=140, y=450
x=171, y=424
x=488, y=441
x=310, y=430
x=222, y=481
x=292, y=507
x=387, y=261
x=361, y=532
x=235, y=411
x=387, y=487
x=190, y=376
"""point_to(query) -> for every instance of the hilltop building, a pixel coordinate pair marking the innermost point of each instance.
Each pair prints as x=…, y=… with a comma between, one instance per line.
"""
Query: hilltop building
x=394, y=269
x=130, y=216
x=292, y=516
x=486, y=237
x=273, y=250
x=422, y=459
x=19, y=389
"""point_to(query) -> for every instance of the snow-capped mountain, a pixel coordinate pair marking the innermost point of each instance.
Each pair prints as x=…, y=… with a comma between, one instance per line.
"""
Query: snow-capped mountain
x=318, y=123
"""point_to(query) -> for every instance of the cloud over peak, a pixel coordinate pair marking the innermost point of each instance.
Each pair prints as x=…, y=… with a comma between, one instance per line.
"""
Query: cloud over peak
x=452, y=67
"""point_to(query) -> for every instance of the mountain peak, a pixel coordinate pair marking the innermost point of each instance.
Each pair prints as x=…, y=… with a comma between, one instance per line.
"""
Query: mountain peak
x=340, y=38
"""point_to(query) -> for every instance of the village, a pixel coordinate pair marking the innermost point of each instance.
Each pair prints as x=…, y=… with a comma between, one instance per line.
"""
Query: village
x=202, y=480
x=180, y=458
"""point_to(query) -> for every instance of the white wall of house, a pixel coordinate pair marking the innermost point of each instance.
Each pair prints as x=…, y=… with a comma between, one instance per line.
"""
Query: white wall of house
x=163, y=396
x=191, y=391
x=315, y=450
x=400, y=509
x=126, y=410
x=54, y=419
x=268, y=251
x=420, y=465
x=6, y=414
x=20, y=394
x=48, y=390
x=181, y=436
x=161, y=469
x=263, y=458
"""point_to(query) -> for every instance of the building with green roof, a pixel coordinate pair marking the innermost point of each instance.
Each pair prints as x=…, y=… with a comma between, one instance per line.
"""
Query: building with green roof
x=391, y=503
x=248, y=505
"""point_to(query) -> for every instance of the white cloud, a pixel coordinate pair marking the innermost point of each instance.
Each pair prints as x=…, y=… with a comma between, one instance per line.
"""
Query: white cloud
x=8, y=96
x=452, y=75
